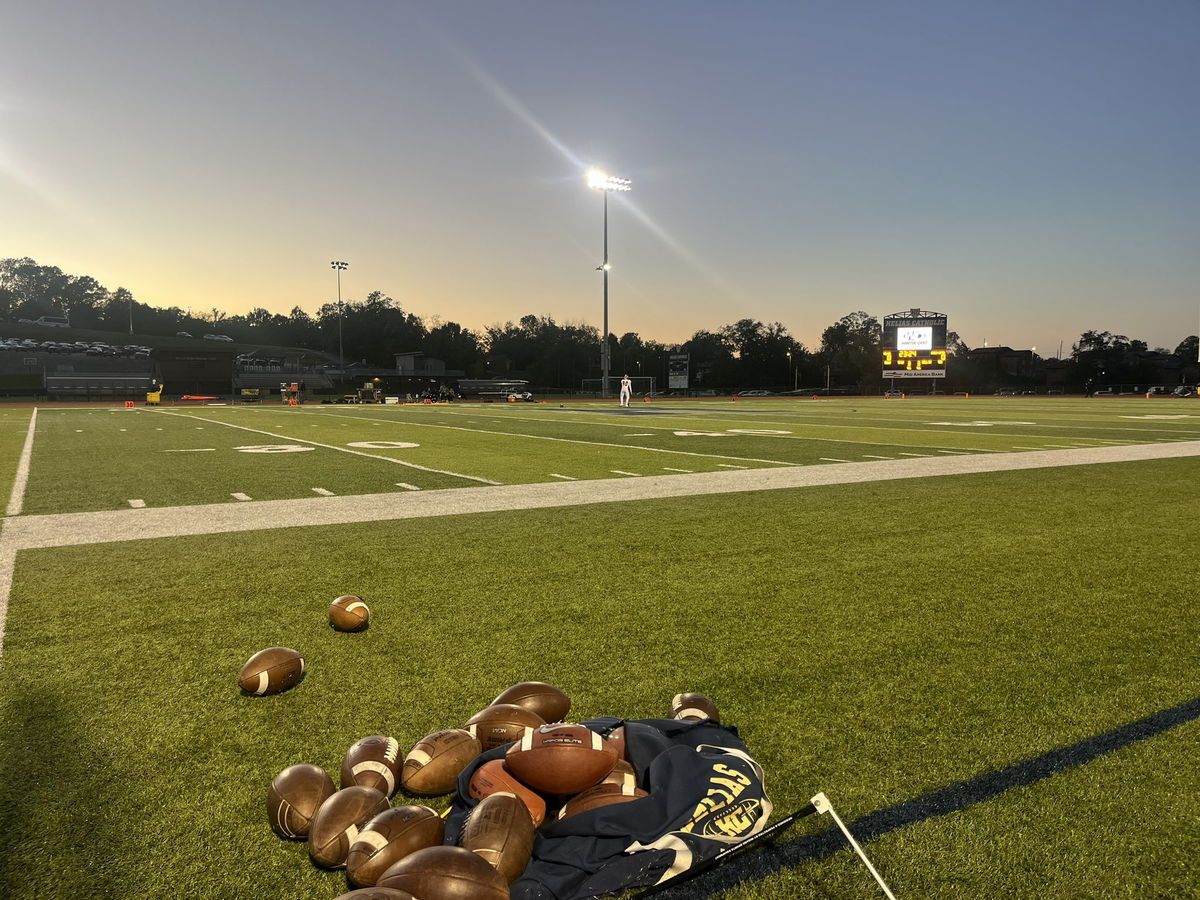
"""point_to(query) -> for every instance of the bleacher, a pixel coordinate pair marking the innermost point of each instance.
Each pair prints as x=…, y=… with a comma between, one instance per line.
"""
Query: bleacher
x=98, y=387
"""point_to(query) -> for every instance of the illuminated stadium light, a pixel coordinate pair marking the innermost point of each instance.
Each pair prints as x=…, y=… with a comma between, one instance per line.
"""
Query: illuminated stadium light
x=599, y=180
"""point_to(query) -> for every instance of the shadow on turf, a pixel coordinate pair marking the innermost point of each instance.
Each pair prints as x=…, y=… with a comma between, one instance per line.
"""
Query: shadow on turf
x=53, y=784
x=954, y=798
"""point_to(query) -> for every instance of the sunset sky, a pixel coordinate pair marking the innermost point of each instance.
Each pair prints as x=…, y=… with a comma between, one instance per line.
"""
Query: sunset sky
x=1031, y=168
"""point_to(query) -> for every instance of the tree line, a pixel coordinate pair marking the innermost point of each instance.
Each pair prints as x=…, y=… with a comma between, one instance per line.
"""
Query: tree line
x=745, y=353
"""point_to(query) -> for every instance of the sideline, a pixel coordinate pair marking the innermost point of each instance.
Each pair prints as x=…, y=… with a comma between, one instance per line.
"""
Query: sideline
x=16, y=499
x=73, y=529
x=950, y=799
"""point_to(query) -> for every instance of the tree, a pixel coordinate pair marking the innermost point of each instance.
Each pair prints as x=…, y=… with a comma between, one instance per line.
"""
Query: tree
x=852, y=347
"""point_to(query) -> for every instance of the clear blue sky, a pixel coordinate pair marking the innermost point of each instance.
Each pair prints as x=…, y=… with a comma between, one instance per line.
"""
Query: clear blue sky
x=1028, y=167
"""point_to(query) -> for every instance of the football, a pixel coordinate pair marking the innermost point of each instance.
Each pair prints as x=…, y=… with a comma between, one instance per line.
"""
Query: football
x=500, y=830
x=598, y=796
x=560, y=759
x=432, y=767
x=493, y=778
x=373, y=762
x=622, y=774
x=446, y=873
x=271, y=671
x=544, y=699
x=502, y=723
x=375, y=893
x=694, y=707
x=335, y=826
x=616, y=740
x=349, y=613
x=388, y=838
x=295, y=796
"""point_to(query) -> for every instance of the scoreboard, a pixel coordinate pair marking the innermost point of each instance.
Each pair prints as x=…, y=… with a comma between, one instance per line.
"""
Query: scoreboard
x=914, y=345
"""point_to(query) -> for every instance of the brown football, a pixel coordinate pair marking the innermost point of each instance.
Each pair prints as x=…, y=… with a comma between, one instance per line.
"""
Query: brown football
x=375, y=893
x=434, y=764
x=616, y=740
x=500, y=830
x=598, y=796
x=349, y=613
x=502, y=723
x=693, y=707
x=295, y=796
x=446, y=873
x=373, y=762
x=388, y=838
x=336, y=824
x=271, y=671
x=493, y=778
x=622, y=774
x=560, y=759
x=544, y=699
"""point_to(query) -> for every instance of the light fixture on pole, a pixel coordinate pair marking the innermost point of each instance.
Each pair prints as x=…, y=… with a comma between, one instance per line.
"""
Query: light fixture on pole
x=789, y=356
x=602, y=181
x=339, y=265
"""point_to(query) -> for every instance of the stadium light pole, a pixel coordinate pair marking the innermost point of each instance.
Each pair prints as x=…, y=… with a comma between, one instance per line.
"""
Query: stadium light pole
x=339, y=265
x=603, y=182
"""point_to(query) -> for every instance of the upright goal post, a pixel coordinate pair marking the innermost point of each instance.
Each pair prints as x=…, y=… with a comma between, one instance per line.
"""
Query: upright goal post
x=641, y=384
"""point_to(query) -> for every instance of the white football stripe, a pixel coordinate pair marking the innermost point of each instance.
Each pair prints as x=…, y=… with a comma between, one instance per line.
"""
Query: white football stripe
x=374, y=838
x=379, y=768
x=698, y=713
x=677, y=701
x=358, y=604
x=393, y=750
x=282, y=818
x=597, y=741
x=527, y=739
x=263, y=678
x=419, y=756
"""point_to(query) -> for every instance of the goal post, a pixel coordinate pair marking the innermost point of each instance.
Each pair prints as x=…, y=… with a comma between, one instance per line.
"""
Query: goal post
x=640, y=385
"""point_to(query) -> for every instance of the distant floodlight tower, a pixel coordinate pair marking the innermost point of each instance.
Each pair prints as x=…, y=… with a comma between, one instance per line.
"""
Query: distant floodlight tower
x=603, y=182
x=339, y=265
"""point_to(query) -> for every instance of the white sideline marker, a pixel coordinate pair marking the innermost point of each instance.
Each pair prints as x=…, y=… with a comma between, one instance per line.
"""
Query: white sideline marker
x=137, y=504
x=240, y=496
x=407, y=486
x=323, y=492
x=822, y=804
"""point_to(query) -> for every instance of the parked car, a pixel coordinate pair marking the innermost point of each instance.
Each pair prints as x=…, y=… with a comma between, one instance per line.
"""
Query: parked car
x=893, y=394
x=53, y=321
x=521, y=395
x=754, y=393
x=182, y=334
x=218, y=337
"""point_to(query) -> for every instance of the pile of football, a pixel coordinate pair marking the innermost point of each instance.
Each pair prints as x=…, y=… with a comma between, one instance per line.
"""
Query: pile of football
x=550, y=771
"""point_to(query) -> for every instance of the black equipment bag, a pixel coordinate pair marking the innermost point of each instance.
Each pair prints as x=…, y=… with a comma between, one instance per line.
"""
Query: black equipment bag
x=706, y=794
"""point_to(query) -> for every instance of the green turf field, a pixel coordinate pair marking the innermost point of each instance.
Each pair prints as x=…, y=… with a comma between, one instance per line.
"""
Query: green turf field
x=881, y=642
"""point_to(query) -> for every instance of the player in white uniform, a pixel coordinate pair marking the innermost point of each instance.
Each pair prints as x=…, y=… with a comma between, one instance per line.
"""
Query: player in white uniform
x=626, y=390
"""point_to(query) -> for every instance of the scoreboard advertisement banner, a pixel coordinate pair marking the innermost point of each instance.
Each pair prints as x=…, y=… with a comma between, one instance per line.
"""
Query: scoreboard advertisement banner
x=914, y=345
x=677, y=370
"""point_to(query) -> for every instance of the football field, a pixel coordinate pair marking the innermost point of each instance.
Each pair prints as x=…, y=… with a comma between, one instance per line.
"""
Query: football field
x=971, y=623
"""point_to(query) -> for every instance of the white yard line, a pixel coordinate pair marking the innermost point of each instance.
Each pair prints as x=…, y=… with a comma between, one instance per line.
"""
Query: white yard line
x=543, y=437
x=389, y=459
x=110, y=526
x=16, y=500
